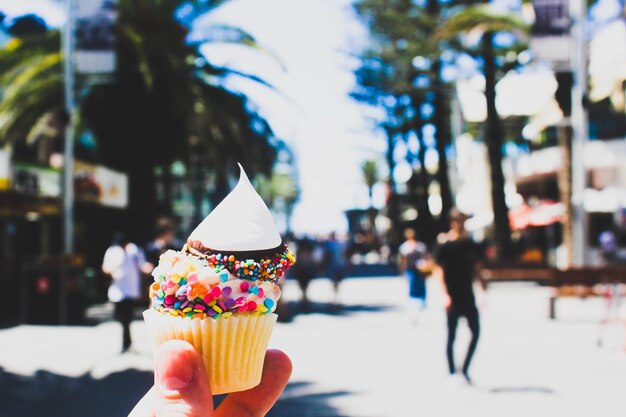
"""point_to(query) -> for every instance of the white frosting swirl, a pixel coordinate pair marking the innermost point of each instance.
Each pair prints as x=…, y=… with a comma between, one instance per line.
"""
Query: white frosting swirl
x=241, y=222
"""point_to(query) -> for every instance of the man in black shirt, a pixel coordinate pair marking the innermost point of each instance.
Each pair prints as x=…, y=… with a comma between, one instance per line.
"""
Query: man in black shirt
x=458, y=256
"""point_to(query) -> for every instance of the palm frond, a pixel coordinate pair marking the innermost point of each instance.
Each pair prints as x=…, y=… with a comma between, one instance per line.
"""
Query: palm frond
x=143, y=64
x=210, y=72
x=20, y=53
x=227, y=34
x=36, y=72
x=20, y=113
x=483, y=17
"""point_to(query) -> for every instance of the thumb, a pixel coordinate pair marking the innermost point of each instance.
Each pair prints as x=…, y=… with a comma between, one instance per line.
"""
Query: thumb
x=181, y=383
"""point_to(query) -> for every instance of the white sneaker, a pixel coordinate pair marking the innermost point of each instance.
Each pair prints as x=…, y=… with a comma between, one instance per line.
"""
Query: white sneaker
x=455, y=381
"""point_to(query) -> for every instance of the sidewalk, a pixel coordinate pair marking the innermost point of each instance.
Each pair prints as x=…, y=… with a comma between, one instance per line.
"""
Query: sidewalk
x=368, y=359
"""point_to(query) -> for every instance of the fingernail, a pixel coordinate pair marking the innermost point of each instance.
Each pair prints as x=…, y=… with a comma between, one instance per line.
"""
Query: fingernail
x=174, y=367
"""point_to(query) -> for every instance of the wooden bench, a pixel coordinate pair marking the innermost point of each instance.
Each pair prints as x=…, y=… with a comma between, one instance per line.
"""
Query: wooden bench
x=579, y=282
x=582, y=282
x=540, y=275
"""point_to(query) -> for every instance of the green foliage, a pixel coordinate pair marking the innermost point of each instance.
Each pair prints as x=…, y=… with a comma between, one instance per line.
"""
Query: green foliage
x=165, y=83
x=399, y=31
x=280, y=186
x=165, y=101
x=370, y=173
x=31, y=74
x=483, y=18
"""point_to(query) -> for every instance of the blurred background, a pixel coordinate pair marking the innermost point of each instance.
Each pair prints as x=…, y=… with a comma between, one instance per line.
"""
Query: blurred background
x=355, y=120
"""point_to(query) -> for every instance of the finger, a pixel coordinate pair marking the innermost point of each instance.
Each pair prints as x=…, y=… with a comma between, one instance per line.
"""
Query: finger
x=145, y=406
x=181, y=385
x=256, y=402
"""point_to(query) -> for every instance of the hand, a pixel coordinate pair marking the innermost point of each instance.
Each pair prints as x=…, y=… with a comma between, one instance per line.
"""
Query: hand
x=447, y=302
x=181, y=387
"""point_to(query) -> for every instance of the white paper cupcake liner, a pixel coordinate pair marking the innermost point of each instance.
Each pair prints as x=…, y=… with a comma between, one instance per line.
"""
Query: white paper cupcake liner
x=233, y=348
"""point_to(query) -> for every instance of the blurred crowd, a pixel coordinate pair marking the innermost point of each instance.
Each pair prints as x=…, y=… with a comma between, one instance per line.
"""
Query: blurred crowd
x=321, y=256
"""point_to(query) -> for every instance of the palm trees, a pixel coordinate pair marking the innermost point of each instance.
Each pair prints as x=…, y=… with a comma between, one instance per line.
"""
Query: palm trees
x=406, y=59
x=401, y=72
x=489, y=22
x=165, y=101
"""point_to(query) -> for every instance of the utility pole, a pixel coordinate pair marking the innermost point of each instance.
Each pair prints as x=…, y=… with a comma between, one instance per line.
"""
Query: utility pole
x=67, y=45
x=578, y=11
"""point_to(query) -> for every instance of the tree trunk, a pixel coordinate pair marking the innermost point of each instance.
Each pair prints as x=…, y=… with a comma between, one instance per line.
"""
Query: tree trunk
x=425, y=220
x=372, y=211
x=392, y=199
x=442, y=123
x=494, y=141
x=565, y=191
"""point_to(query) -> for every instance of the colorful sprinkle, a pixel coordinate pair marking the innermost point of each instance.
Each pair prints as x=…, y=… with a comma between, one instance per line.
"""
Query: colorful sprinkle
x=226, y=291
x=229, y=303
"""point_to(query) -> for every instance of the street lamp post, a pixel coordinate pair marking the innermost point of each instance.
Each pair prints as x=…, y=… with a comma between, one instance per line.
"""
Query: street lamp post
x=67, y=44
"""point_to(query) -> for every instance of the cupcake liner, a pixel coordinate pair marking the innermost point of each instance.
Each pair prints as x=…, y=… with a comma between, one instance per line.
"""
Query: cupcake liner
x=233, y=348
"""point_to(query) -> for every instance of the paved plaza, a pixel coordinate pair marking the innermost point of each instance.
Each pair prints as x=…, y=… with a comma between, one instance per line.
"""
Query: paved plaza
x=368, y=358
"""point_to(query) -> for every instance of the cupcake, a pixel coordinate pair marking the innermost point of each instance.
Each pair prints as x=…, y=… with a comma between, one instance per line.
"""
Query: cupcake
x=220, y=291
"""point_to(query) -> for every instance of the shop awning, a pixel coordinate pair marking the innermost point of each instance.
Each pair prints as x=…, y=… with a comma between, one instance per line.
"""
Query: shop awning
x=543, y=213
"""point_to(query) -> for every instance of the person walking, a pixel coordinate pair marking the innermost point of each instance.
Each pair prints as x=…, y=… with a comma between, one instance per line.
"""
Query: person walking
x=124, y=262
x=458, y=256
x=165, y=239
x=305, y=269
x=335, y=261
x=411, y=253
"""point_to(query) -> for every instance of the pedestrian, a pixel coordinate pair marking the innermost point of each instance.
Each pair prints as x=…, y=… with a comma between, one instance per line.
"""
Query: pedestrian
x=165, y=240
x=458, y=257
x=124, y=262
x=305, y=268
x=607, y=241
x=335, y=261
x=412, y=254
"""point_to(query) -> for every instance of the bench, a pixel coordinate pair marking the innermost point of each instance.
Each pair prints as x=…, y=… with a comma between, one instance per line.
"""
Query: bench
x=582, y=282
x=579, y=282
x=540, y=275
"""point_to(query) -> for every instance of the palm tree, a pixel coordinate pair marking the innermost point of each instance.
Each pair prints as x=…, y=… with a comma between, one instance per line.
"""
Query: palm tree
x=401, y=36
x=31, y=76
x=164, y=93
x=484, y=18
x=369, y=169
